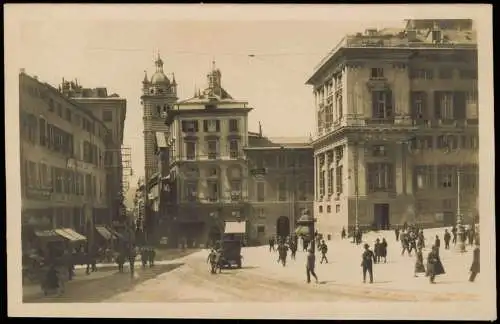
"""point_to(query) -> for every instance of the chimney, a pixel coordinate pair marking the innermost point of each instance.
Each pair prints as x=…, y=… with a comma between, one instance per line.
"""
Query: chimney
x=22, y=71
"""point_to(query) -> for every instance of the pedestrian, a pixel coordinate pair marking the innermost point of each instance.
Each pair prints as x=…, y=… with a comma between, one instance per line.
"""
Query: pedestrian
x=131, y=260
x=404, y=243
x=437, y=243
x=271, y=244
x=144, y=257
x=310, y=264
x=471, y=236
x=419, y=263
x=293, y=249
x=152, y=256
x=219, y=259
x=434, y=265
x=343, y=234
x=324, y=249
x=447, y=238
x=454, y=233
x=368, y=258
x=305, y=243
x=212, y=259
x=383, y=249
x=396, y=232
x=376, y=250
x=474, y=268
x=120, y=261
x=282, y=252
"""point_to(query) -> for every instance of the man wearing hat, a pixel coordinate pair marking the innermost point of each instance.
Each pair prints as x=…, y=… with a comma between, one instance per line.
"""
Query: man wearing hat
x=368, y=258
x=311, y=262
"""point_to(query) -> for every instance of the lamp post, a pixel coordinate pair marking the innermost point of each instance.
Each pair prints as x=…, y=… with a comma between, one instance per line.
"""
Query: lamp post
x=308, y=220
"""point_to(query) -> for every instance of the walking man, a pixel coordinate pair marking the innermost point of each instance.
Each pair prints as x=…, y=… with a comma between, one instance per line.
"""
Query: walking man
x=131, y=260
x=311, y=262
x=271, y=244
x=212, y=259
x=454, y=233
x=434, y=265
x=293, y=249
x=405, y=244
x=396, y=231
x=368, y=258
x=474, y=268
x=324, y=249
x=447, y=238
x=343, y=234
x=437, y=244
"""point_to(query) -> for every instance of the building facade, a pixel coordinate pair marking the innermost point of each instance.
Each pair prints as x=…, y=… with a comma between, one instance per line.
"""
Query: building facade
x=111, y=110
x=397, y=127
x=207, y=168
x=280, y=185
x=63, y=174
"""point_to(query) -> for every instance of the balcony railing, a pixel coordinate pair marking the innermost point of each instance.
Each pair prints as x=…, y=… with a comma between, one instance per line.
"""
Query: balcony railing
x=234, y=154
x=379, y=121
x=212, y=155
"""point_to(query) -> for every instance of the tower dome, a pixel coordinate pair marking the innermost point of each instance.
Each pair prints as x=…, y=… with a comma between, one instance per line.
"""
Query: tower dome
x=159, y=76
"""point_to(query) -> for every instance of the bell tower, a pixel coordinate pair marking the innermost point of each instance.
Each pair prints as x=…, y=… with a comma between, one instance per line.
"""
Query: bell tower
x=159, y=94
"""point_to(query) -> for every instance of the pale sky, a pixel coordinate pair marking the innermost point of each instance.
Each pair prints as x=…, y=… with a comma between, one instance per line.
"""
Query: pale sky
x=115, y=54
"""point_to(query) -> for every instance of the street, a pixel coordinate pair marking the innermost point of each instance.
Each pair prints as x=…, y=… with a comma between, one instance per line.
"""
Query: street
x=263, y=279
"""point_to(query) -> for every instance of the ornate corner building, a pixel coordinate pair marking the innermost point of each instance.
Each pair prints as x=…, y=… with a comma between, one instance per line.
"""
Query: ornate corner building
x=397, y=127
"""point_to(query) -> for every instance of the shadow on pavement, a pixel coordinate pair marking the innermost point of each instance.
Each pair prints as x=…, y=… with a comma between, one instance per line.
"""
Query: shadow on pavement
x=99, y=289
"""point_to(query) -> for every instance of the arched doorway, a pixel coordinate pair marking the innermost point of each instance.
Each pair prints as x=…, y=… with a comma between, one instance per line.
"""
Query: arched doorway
x=283, y=226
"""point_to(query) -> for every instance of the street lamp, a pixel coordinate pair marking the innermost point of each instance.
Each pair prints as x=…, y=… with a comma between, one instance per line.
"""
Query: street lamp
x=308, y=220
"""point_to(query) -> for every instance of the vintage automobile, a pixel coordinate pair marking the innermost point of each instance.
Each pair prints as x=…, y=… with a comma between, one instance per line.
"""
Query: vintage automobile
x=231, y=254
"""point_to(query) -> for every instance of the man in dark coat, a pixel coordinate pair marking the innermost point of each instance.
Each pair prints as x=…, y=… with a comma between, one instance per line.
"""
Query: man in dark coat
x=131, y=260
x=271, y=244
x=367, y=260
x=144, y=257
x=282, y=253
x=324, y=249
x=474, y=268
x=383, y=249
x=434, y=265
x=396, y=231
x=376, y=250
x=293, y=249
x=437, y=244
x=310, y=265
x=343, y=233
x=152, y=256
x=447, y=238
x=405, y=244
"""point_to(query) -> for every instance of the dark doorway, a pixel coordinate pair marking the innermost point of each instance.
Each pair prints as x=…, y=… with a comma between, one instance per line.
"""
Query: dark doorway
x=283, y=226
x=449, y=218
x=381, y=216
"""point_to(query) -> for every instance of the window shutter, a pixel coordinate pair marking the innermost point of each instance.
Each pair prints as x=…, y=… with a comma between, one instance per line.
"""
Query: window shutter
x=374, y=105
x=459, y=105
x=195, y=125
x=437, y=104
x=205, y=126
x=388, y=104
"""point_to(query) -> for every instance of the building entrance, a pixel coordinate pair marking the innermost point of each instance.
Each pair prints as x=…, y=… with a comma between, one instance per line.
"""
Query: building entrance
x=381, y=216
x=283, y=226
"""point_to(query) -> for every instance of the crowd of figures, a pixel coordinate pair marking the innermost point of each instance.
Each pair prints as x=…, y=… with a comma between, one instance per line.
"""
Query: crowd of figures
x=412, y=240
x=55, y=271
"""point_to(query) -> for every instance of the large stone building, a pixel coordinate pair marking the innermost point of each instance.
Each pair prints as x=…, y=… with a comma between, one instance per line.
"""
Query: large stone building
x=280, y=184
x=111, y=110
x=63, y=175
x=207, y=168
x=397, y=127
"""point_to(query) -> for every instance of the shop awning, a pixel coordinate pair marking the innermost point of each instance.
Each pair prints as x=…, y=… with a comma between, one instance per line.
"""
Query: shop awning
x=70, y=234
x=302, y=230
x=47, y=234
x=104, y=232
x=235, y=228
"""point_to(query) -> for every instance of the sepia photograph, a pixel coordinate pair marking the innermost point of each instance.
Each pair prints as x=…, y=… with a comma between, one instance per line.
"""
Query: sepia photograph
x=202, y=160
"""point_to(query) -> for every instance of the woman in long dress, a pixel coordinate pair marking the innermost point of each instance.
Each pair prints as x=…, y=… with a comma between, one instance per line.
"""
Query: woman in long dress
x=434, y=265
x=419, y=263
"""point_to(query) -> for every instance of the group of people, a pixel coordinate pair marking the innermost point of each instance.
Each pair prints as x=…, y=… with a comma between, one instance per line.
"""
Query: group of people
x=148, y=255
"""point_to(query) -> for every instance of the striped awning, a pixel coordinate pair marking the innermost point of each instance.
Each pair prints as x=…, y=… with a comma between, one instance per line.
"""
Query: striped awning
x=70, y=234
x=104, y=232
x=161, y=141
x=302, y=230
x=47, y=234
